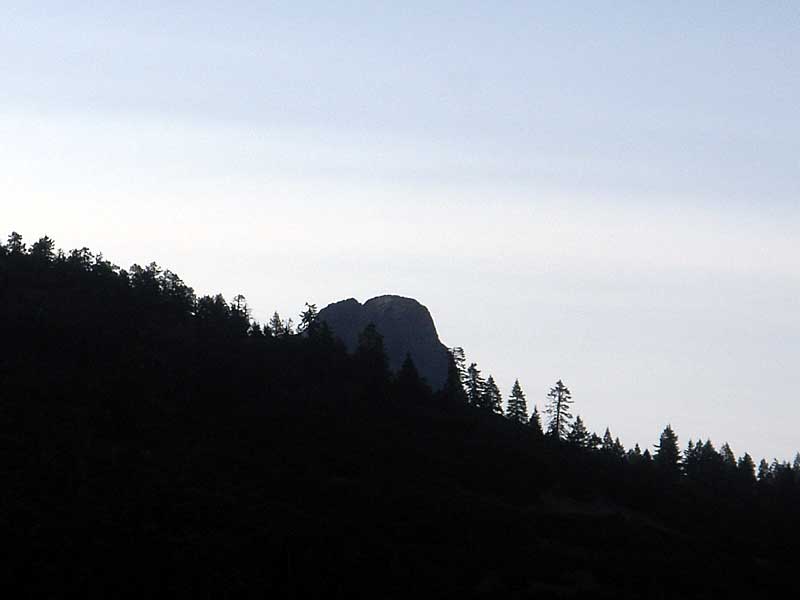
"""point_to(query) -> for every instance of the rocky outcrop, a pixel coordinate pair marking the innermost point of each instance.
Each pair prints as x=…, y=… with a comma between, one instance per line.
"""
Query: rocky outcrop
x=406, y=326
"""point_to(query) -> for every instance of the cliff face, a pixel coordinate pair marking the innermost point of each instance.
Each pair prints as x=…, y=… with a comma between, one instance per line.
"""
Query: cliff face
x=406, y=326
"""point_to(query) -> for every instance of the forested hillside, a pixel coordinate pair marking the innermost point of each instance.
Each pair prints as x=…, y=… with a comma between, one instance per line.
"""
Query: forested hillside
x=156, y=442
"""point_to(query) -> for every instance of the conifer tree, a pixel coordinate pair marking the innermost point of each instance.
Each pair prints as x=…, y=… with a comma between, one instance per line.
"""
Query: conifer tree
x=308, y=319
x=460, y=362
x=764, y=474
x=747, y=468
x=667, y=457
x=535, y=422
x=492, y=399
x=558, y=410
x=453, y=391
x=476, y=386
x=608, y=442
x=275, y=325
x=371, y=358
x=517, y=408
x=15, y=244
x=409, y=383
x=634, y=455
x=618, y=450
x=728, y=457
x=44, y=249
x=578, y=435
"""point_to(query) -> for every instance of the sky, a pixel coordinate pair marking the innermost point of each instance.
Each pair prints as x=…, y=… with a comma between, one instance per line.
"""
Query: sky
x=604, y=193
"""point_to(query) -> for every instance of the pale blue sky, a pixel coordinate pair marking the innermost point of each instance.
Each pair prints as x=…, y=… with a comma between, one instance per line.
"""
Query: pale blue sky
x=606, y=194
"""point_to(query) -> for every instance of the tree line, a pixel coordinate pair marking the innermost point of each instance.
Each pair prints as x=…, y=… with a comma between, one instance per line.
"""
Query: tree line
x=136, y=410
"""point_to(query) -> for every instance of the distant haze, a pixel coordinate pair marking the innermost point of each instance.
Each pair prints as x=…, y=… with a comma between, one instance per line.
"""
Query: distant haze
x=607, y=194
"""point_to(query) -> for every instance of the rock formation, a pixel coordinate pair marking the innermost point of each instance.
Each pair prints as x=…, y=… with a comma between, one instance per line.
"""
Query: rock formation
x=406, y=326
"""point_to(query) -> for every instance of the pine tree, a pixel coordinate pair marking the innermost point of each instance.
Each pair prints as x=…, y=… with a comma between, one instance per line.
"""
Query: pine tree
x=667, y=457
x=44, y=249
x=475, y=387
x=308, y=319
x=15, y=244
x=453, y=391
x=728, y=457
x=634, y=455
x=608, y=442
x=578, y=435
x=517, y=408
x=747, y=468
x=764, y=473
x=275, y=325
x=558, y=411
x=535, y=422
x=618, y=450
x=409, y=383
x=492, y=399
x=370, y=356
x=460, y=362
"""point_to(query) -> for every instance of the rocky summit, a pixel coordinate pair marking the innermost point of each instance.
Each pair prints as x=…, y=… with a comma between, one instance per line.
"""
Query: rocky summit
x=406, y=327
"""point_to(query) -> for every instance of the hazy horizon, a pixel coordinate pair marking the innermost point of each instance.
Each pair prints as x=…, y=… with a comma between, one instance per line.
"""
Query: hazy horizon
x=604, y=195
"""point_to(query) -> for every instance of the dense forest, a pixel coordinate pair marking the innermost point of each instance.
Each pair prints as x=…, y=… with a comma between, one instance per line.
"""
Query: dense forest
x=157, y=442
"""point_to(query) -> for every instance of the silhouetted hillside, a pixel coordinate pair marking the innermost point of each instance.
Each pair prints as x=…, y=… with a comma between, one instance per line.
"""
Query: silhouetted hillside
x=157, y=443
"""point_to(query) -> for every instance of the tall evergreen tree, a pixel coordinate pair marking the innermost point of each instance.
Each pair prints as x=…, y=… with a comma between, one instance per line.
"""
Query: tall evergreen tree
x=764, y=473
x=15, y=244
x=44, y=249
x=747, y=468
x=370, y=356
x=308, y=319
x=453, y=390
x=409, y=383
x=578, y=436
x=492, y=399
x=558, y=411
x=667, y=457
x=728, y=457
x=608, y=442
x=275, y=325
x=476, y=386
x=517, y=408
x=460, y=362
x=535, y=422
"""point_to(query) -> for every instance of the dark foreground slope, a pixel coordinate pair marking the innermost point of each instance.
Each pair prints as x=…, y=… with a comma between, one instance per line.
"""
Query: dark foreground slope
x=155, y=443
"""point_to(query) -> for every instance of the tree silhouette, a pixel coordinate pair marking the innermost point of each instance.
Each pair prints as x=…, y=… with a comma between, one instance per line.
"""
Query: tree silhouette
x=15, y=244
x=371, y=359
x=578, y=435
x=517, y=408
x=409, y=384
x=558, y=411
x=492, y=399
x=308, y=319
x=475, y=387
x=453, y=391
x=667, y=456
x=43, y=249
x=460, y=363
x=764, y=472
x=276, y=326
x=747, y=468
x=535, y=422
